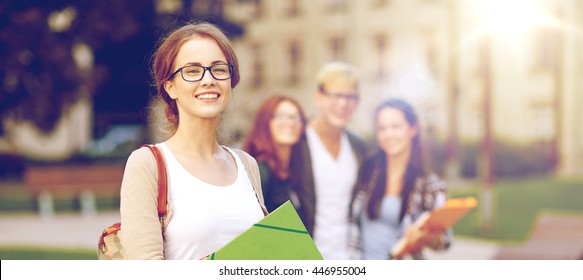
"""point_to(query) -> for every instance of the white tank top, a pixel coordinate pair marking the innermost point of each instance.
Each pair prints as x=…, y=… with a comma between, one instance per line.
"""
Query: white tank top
x=206, y=217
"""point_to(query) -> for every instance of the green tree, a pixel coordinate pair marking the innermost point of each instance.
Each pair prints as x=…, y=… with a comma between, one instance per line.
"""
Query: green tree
x=38, y=74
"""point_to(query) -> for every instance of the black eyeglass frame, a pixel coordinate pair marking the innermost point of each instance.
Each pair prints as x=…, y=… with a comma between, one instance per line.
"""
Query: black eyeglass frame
x=350, y=98
x=205, y=69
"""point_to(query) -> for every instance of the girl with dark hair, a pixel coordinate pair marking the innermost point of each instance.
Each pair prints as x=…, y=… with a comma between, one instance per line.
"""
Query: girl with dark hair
x=395, y=188
x=274, y=141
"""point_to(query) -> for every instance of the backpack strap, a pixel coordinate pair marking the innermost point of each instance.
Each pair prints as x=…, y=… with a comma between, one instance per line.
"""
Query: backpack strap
x=162, y=184
x=253, y=172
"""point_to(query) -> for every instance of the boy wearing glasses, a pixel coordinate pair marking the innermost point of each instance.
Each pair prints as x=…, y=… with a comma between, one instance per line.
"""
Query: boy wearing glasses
x=332, y=157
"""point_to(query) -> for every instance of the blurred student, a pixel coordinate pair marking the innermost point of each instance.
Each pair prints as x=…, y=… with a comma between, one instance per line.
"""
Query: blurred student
x=274, y=141
x=331, y=156
x=395, y=188
x=210, y=195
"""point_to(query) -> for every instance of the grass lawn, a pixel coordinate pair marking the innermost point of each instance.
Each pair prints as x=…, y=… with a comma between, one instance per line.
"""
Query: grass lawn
x=45, y=253
x=14, y=197
x=516, y=204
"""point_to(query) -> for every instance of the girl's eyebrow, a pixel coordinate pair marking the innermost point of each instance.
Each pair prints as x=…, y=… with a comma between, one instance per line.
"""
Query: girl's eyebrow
x=199, y=64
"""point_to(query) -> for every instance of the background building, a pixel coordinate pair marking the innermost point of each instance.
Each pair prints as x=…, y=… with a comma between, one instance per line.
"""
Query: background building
x=515, y=84
x=443, y=56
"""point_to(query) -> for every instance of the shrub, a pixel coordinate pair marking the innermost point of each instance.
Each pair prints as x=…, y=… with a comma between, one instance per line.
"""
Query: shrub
x=511, y=160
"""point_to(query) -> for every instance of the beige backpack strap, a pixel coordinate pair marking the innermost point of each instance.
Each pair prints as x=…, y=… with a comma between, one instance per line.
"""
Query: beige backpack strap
x=253, y=172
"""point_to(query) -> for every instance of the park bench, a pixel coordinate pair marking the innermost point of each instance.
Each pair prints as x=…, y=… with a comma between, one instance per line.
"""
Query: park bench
x=80, y=182
x=555, y=236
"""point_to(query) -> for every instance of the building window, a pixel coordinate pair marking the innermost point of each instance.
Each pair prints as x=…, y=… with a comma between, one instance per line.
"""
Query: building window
x=476, y=122
x=337, y=48
x=380, y=45
x=256, y=7
x=168, y=6
x=375, y=4
x=258, y=65
x=543, y=123
x=292, y=8
x=294, y=62
x=334, y=6
x=199, y=7
x=431, y=54
x=547, y=42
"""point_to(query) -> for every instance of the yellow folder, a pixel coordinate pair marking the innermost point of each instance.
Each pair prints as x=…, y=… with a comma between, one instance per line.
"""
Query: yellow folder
x=443, y=218
x=281, y=235
x=437, y=220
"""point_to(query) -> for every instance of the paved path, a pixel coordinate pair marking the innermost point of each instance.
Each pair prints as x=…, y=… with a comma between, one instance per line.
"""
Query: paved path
x=465, y=249
x=60, y=230
x=77, y=231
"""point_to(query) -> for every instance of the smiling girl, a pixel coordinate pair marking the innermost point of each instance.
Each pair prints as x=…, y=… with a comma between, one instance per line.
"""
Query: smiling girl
x=274, y=140
x=209, y=191
x=395, y=188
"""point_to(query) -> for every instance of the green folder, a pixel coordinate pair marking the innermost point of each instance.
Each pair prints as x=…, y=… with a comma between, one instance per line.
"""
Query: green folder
x=281, y=235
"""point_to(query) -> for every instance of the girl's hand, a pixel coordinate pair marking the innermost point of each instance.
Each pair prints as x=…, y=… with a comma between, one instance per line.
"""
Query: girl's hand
x=418, y=238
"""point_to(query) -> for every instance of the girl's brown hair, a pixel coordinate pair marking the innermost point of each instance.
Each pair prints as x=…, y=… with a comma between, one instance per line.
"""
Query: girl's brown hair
x=163, y=59
x=260, y=143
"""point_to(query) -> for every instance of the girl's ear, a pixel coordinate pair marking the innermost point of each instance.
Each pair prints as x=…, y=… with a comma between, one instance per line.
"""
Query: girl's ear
x=170, y=89
x=414, y=131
